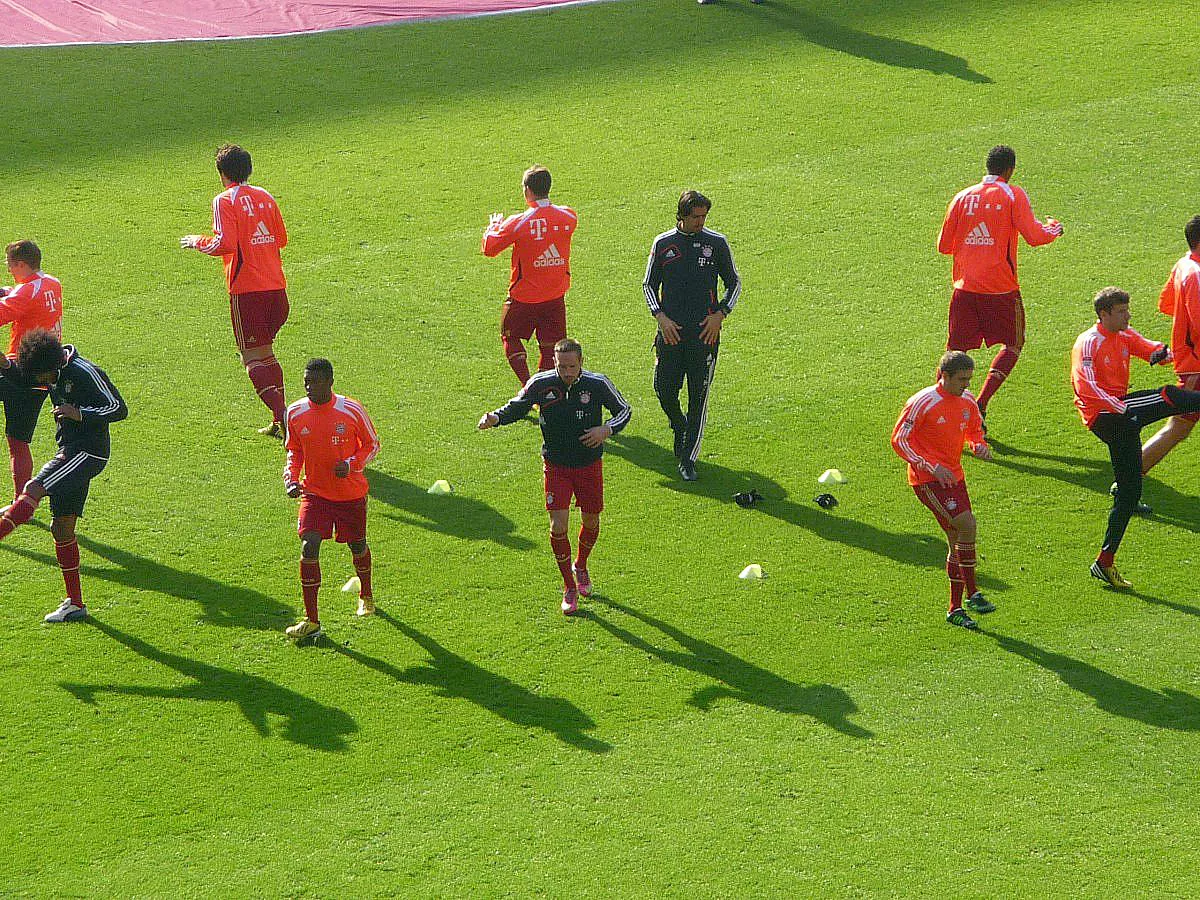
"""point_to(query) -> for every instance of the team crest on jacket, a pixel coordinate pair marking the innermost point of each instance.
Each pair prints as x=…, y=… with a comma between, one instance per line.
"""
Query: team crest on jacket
x=585, y=397
x=707, y=251
x=339, y=428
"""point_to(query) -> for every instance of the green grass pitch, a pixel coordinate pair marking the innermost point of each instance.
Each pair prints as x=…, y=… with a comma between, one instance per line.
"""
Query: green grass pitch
x=822, y=733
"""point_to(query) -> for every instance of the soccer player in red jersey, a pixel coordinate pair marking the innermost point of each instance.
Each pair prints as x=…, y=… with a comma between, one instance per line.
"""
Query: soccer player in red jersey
x=1180, y=299
x=541, y=272
x=1100, y=379
x=331, y=439
x=570, y=401
x=930, y=434
x=85, y=403
x=980, y=231
x=35, y=301
x=248, y=233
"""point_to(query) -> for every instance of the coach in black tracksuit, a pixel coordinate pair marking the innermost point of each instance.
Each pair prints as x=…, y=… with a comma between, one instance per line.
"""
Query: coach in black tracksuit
x=681, y=290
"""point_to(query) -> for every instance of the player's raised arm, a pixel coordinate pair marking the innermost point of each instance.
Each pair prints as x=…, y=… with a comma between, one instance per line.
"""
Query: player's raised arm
x=112, y=407
x=500, y=234
x=1035, y=233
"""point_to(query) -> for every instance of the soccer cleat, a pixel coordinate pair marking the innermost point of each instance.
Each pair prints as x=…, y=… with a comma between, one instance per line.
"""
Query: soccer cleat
x=960, y=618
x=366, y=606
x=583, y=581
x=1110, y=576
x=304, y=629
x=687, y=469
x=1142, y=509
x=570, y=601
x=275, y=430
x=979, y=603
x=68, y=611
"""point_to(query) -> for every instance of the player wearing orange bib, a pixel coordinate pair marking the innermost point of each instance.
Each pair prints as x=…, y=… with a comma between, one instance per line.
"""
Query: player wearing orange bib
x=331, y=439
x=930, y=434
x=981, y=229
x=1100, y=379
x=35, y=301
x=1180, y=299
x=248, y=233
x=540, y=239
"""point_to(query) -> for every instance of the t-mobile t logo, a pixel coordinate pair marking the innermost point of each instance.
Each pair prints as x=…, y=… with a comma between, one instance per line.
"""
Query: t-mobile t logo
x=537, y=227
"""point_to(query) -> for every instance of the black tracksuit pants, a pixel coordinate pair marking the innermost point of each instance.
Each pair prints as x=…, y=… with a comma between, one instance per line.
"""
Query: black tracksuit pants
x=1122, y=434
x=695, y=361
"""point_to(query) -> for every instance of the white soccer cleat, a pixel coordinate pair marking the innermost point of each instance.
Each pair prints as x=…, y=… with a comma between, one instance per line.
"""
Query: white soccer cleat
x=67, y=611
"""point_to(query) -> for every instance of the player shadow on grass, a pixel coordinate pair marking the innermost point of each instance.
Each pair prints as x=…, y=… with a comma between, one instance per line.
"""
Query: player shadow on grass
x=874, y=47
x=720, y=483
x=452, y=514
x=453, y=676
x=740, y=680
x=1168, y=708
x=305, y=721
x=221, y=604
x=1095, y=474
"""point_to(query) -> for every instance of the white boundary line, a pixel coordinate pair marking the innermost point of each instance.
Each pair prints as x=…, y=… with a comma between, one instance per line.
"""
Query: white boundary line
x=416, y=20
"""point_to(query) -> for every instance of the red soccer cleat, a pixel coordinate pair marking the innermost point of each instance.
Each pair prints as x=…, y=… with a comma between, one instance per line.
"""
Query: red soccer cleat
x=583, y=581
x=570, y=602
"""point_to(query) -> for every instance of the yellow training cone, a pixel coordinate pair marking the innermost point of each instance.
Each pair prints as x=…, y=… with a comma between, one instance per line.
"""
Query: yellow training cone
x=752, y=572
x=352, y=585
x=441, y=486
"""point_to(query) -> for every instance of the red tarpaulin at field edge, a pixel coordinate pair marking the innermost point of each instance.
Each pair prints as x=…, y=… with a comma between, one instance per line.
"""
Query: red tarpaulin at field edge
x=41, y=22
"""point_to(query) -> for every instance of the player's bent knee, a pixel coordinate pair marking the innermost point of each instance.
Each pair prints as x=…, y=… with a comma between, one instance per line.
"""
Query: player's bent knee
x=62, y=528
x=34, y=489
x=310, y=545
x=357, y=547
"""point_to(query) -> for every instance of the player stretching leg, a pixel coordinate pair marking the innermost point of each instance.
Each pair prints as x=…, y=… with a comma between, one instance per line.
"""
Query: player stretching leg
x=85, y=403
x=573, y=436
x=930, y=435
x=1100, y=378
x=331, y=439
x=248, y=233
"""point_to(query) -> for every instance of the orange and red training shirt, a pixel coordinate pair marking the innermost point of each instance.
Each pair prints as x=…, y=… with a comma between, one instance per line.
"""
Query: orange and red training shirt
x=248, y=233
x=981, y=229
x=541, y=257
x=319, y=436
x=1180, y=298
x=932, y=430
x=1100, y=369
x=34, y=303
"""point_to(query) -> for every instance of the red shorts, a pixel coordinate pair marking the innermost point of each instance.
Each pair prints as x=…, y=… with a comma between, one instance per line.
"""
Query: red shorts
x=981, y=320
x=1190, y=382
x=945, y=503
x=345, y=518
x=521, y=320
x=257, y=317
x=586, y=483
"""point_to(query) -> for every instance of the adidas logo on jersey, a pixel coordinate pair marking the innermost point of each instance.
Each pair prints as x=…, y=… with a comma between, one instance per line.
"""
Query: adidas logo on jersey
x=262, y=234
x=550, y=258
x=979, y=236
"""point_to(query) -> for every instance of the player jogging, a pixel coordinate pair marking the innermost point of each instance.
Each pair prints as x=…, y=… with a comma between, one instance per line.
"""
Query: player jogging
x=34, y=302
x=569, y=399
x=248, y=233
x=681, y=290
x=930, y=434
x=1100, y=378
x=980, y=231
x=85, y=403
x=541, y=272
x=1180, y=299
x=331, y=439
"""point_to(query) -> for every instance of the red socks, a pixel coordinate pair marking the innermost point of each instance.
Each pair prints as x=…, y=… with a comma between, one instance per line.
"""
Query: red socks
x=966, y=565
x=1106, y=558
x=267, y=377
x=562, y=555
x=954, y=573
x=68, y=560
x=310, y=584
x=18, y=514
x=1002, y=367
x=362, y=568
x=587, y=540
x=22, y=464
x=515, y=351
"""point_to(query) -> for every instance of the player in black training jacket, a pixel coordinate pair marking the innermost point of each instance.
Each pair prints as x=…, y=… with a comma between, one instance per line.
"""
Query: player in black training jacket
x=571, y=404
x=85, y=402
x=681, y=291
